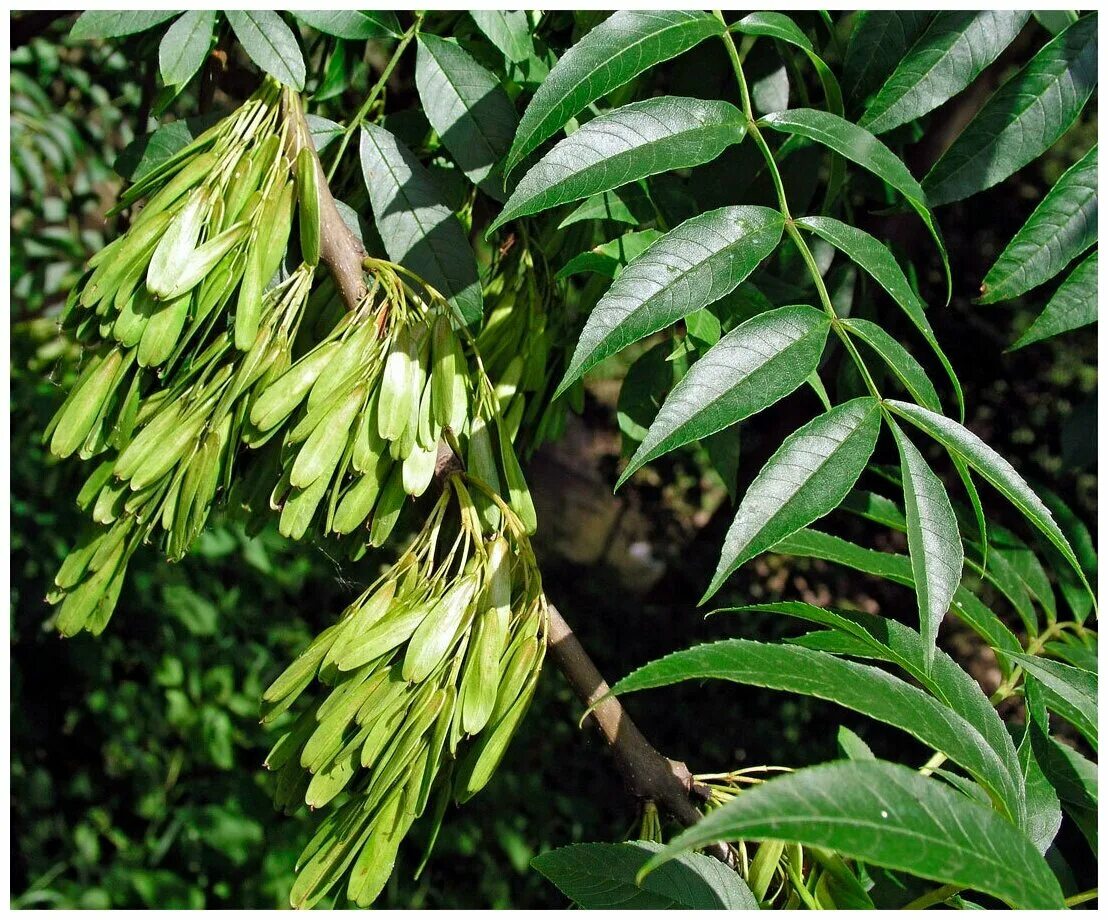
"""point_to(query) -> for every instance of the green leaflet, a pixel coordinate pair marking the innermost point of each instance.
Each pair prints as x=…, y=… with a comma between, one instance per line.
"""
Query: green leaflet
x=419, y=231
x=270, y=44
x=632, y=142
x=468, y=109
x=618, y=49
x=1061, y=227
x=779, y=26
x=934, y=544
x=599, y=876
x=117, y=23
x=1069, y=691
x=628, y=205
x=817, y=545
x=609, y=259
x=900, y=361
x=887, y=640
x=185, y=46
x=878, y=41
x=994, y=468
x=874, y=257
x=749, y=369
x=806, y=478
x=1022, y=119
x=1043, y=807
x=860, y=687
x=353, y=25
x=1073, y=305
x=508, y=30
x=692, y=266
x=890, y=816
x=956, y=46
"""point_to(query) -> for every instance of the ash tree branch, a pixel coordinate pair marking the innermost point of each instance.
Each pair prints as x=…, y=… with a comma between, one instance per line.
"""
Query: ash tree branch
x=647, y=773
x=339, y=248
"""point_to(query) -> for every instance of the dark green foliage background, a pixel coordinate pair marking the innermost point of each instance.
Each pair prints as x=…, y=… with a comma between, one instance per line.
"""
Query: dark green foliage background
x=136, y=756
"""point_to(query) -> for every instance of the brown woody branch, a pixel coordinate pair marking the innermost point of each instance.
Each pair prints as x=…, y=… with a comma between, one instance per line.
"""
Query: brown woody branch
x=339, y=248
x=648, y=774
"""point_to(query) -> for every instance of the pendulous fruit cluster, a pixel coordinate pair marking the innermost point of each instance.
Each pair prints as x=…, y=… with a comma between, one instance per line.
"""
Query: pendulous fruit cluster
x=423, y=682
x=221, y=373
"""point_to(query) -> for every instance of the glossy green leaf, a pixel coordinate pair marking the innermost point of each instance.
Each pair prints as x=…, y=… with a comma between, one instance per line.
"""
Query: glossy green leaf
x=602, y=876
x=749, y=369
x=185, y=46
x=632, y=142
x=323, y=131
x=1044, y=809
x=859, y=146
x=874, y=258
x=887, y=640
x=419, y=231
x=117, y=23
x=1055, y=21
x=1062, y=227
x=354, y=25
x=628, y=205
x=692, y=266
x=611, y=258
x=899, y=360
x=508, y=30
x=270, y=44
x=934, y=544
x=1075, y=530
x=145, y=154
x=774, y=25
x=816, y=545
x=952, y=51
x=618, y=49
x=890, y=816
x=1001, y=574
x=860, y=687
x=992, y=467
x=1070, y=692
x=781, y=27
x=468, y=109
x=1073, y=305
x=806, y=478
x=1021, y=119
x=878, y=42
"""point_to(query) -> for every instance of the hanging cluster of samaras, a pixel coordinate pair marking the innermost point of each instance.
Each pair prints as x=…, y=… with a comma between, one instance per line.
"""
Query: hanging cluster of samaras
x=222, y=370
